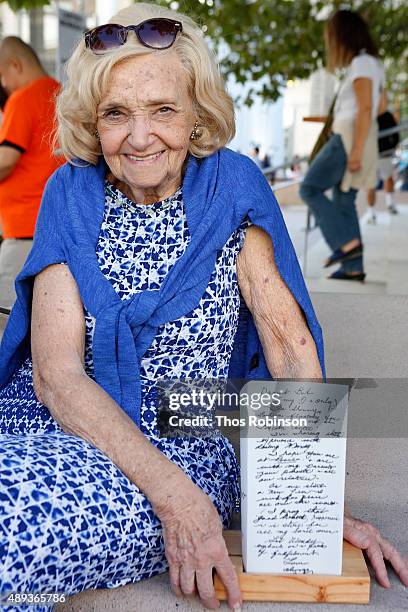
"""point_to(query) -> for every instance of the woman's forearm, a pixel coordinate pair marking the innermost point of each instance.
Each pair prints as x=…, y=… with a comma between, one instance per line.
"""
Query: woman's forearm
x=82, y=408
x=364, y=100
x=361, y=128
x=288, y=345
x=290, y=351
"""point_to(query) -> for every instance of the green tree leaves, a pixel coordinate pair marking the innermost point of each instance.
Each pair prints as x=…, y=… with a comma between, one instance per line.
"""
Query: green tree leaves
x=277, y=40
x=27, y=4
x=267, y=42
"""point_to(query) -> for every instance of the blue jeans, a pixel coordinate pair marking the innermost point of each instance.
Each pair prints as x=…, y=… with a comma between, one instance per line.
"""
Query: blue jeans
x=336, y=217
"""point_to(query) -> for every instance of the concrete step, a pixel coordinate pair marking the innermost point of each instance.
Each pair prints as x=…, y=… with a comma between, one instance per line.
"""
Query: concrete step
x=397, y=237
x=397, y=283
x=324, y=285
x=365, y=335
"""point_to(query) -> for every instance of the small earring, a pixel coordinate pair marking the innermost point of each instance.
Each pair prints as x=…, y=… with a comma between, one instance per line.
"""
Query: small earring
x=194, y=133
x=96, y=134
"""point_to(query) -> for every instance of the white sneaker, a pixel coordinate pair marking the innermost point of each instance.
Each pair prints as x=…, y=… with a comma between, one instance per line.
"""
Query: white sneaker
x=372, y=220
x=392, y=209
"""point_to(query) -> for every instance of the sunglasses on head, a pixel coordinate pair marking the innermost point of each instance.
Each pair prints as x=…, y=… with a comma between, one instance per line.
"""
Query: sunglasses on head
x=156, y=33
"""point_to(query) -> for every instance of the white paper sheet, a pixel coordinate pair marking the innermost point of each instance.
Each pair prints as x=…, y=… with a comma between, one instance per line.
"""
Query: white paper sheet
x=293, y=487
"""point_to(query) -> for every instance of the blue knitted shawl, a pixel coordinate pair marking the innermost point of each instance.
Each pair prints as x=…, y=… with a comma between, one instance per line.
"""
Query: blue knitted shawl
x=219, y=191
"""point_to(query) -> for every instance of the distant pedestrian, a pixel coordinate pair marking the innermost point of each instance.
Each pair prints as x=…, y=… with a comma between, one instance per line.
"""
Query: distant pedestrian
x=348, y=161
x=256, y=157
x=386, y=149
x=295, y=167
x=266, y=161
x=26, y=156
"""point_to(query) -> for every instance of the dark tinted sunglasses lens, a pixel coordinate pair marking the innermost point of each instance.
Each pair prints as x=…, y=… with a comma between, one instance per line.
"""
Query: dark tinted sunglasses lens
x=105, y=38
x=158, y=33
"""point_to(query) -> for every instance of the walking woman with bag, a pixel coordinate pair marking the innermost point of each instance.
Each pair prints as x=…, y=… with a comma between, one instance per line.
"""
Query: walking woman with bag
x=348, y=160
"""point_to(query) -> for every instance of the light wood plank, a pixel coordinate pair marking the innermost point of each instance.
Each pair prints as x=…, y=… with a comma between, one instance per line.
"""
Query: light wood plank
x=353, y=586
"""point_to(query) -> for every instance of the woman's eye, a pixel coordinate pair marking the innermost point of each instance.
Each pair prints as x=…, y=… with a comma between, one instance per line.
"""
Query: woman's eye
x=165, y=110
x=114, y=114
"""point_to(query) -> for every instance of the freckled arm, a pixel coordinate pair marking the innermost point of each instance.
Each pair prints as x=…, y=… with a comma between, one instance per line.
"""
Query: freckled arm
x=288, y=345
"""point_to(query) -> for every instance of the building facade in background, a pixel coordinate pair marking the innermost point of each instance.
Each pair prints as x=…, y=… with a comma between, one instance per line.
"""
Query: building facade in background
x=40, y=27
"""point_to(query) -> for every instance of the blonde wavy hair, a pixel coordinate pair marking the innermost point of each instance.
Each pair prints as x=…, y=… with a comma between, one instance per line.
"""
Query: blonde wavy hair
x=88, y=77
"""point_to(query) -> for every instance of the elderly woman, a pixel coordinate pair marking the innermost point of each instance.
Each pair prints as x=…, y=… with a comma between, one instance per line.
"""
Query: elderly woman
x=145, y=242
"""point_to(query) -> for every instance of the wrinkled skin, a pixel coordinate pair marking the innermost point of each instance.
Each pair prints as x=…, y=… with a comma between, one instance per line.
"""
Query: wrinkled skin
x=146, y=110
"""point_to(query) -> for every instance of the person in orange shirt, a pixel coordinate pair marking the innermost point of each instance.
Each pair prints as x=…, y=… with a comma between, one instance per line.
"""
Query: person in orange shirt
x=26, y=154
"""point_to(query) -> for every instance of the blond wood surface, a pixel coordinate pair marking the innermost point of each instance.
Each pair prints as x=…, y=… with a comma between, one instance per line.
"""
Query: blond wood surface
x=353, y=586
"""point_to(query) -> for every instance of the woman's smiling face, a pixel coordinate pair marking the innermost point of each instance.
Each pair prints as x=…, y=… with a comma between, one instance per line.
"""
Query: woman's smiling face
x=145, y=120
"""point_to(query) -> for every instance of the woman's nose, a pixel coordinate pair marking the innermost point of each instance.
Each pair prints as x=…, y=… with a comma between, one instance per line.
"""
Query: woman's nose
x=139, y=132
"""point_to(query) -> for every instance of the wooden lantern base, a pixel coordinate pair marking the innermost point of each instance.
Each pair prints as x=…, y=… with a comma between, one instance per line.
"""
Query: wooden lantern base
x=353, y=586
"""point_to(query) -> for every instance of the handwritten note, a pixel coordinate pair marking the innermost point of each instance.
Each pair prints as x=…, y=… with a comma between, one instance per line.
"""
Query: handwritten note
x=292, y=479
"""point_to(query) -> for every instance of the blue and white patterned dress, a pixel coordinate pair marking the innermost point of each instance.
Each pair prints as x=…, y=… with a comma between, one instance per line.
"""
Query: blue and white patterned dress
x=70, y=520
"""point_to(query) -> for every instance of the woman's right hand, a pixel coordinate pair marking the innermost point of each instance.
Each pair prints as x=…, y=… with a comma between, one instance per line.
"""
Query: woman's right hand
x=194, y=545
x=354, y=161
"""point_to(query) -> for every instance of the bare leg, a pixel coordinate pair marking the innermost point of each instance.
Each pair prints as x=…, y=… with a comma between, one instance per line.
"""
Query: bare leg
x=371, y=197
x=389, y=195
x=350, y=245
x=389, y=185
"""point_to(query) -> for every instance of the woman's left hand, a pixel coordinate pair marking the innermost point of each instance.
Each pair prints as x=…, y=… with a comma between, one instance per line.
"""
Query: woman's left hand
x=354, y=161
x=368, y=538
